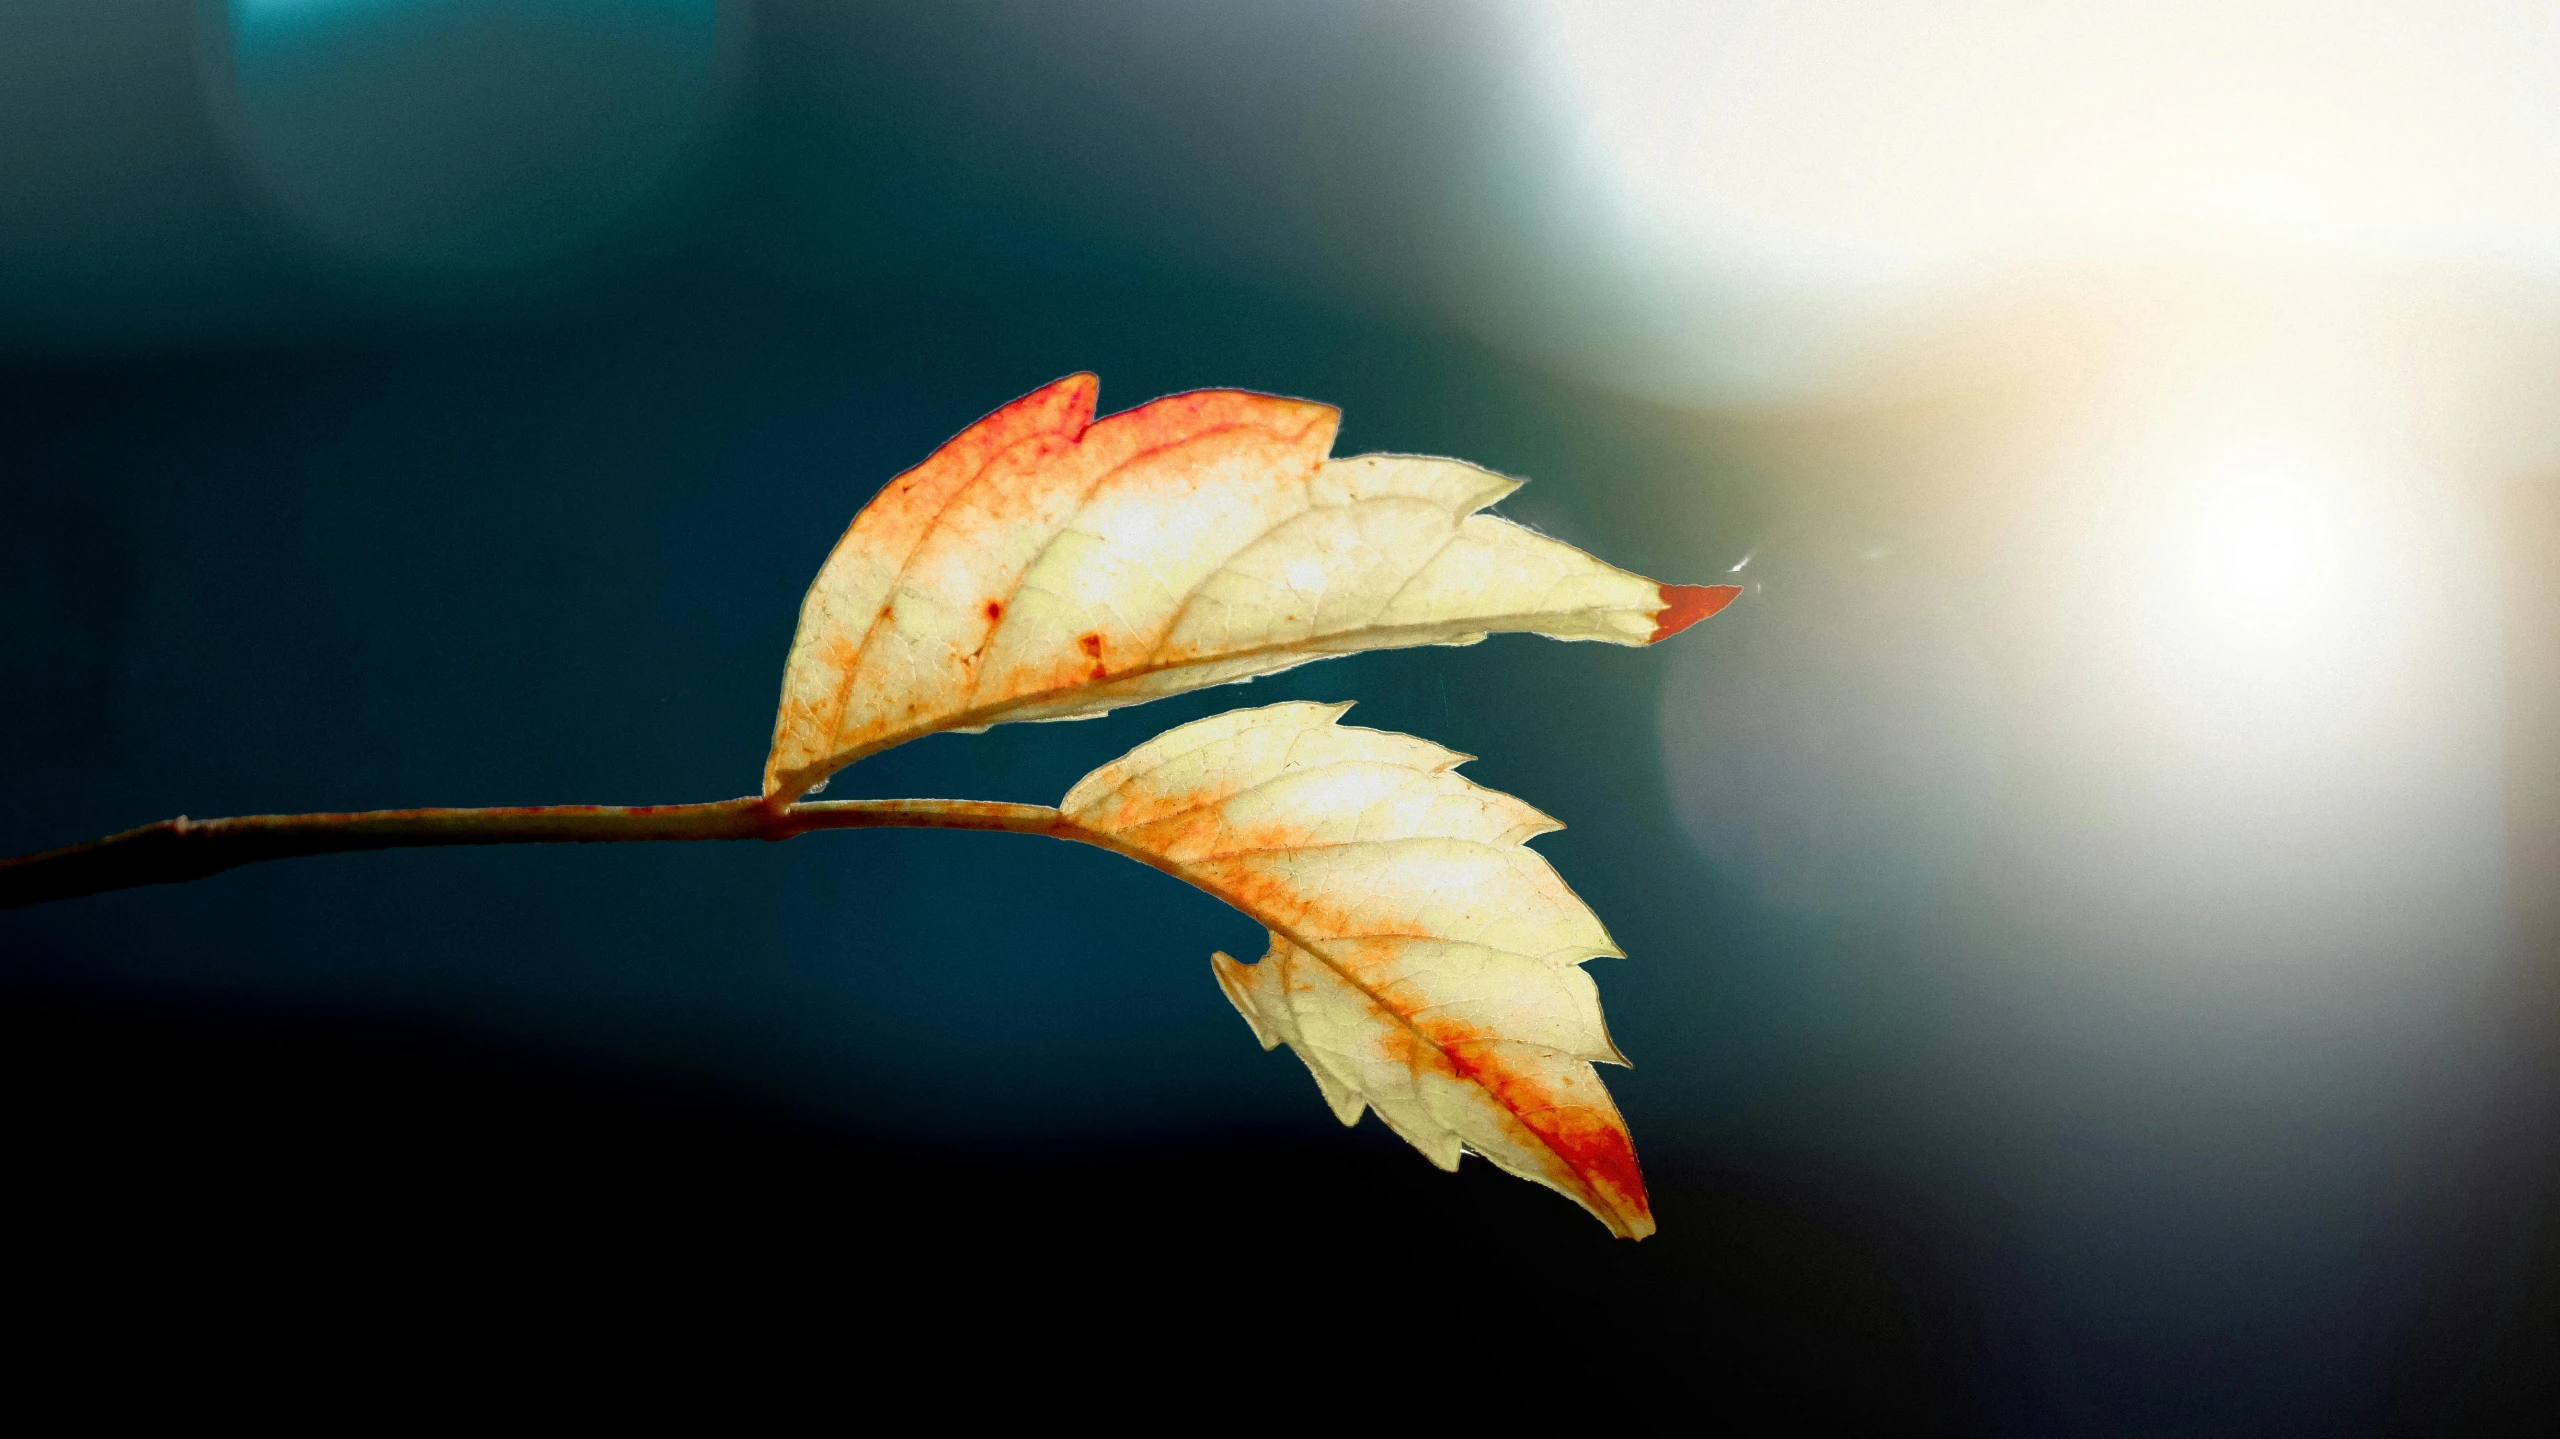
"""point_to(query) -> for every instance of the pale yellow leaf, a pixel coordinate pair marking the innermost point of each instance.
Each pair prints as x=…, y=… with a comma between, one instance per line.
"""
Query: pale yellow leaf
x=1044, y=566
x=1423, y=962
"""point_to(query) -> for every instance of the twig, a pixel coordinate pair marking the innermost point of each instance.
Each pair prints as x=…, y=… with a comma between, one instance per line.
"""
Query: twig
x=175, y=850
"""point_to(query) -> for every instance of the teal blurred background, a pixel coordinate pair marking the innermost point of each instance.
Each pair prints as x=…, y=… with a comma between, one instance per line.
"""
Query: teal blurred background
x=2091, y=957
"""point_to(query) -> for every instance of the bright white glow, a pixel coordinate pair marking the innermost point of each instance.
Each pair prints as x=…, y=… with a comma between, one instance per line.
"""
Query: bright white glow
x=1865, y=140
x=2265, y=562
x=2252, y=586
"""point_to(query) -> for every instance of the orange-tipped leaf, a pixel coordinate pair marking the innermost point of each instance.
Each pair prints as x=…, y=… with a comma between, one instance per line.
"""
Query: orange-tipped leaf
x=1046, y=566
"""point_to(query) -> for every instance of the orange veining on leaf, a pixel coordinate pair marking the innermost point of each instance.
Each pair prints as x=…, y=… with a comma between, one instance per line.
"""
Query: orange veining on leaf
x=837, y=619
x=1046, y=565
x=1423, y=962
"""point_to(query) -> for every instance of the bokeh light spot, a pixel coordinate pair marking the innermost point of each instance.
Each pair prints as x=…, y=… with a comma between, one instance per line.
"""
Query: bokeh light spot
x=467, y=135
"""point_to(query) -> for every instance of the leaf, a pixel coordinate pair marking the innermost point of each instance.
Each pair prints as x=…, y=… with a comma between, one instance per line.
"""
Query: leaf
x=1423, y=962
x=1042, y=566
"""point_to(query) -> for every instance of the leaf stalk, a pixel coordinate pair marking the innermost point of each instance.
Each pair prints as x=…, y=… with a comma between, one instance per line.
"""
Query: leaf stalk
x=175, y=850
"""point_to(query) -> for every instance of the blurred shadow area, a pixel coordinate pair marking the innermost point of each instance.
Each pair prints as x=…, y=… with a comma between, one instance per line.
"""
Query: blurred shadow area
x=181, y=171
x=395, y=1204
x=2532, y=564
x=2520, y=1289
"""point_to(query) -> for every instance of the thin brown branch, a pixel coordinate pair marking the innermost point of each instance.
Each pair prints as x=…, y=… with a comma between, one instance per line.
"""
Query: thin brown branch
x=175, y=850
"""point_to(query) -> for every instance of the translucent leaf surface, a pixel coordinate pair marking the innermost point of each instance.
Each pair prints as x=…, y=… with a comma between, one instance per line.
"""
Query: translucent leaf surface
x=1423, y=962
x=1044, y=566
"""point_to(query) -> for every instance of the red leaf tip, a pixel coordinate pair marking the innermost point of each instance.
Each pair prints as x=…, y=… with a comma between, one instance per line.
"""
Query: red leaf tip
x=1685, y=605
